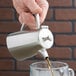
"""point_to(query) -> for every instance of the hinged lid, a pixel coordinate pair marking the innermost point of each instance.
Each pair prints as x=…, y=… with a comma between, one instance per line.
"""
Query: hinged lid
x=46, y=37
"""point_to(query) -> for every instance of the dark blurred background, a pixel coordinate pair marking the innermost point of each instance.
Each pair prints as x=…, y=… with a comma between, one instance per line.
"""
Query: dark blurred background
x=61, y=19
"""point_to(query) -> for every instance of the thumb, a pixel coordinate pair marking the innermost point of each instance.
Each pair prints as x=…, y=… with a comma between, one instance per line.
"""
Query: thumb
x=33, y=6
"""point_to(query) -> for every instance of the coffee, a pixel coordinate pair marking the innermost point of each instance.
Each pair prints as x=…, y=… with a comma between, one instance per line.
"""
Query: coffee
x=49, y=65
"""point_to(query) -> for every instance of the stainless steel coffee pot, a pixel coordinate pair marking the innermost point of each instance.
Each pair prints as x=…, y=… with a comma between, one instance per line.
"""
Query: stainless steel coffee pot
x=24, y=44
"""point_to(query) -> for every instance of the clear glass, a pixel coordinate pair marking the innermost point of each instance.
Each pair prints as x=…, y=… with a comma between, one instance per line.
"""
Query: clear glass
x=58, y=68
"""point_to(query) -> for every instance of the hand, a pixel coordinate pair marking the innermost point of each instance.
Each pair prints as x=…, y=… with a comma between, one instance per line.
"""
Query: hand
x=26, y=9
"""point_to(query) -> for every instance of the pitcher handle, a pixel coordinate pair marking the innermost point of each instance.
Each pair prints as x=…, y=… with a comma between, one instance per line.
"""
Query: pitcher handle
x=37, y=19
x=71, y=72
x=22, y=27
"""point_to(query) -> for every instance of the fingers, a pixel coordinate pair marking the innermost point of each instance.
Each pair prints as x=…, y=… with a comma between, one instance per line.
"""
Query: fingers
x=17, y=6
x=22, y=5
x=44, y=5
x=33, y=6
x=28, y=19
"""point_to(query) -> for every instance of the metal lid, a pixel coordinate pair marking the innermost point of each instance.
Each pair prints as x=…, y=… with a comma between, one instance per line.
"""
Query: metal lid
x=46, y=38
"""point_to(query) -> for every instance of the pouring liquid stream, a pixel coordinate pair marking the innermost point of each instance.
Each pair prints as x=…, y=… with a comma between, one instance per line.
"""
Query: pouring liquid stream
x=47, y=58
x=49, y=65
